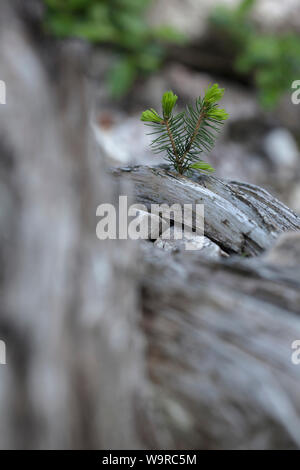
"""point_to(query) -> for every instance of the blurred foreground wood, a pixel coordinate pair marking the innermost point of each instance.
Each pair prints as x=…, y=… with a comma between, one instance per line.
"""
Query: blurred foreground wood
x=119, y=344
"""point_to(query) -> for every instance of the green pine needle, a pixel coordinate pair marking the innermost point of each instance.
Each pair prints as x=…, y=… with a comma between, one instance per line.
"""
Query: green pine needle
x=213, y=94
x=184, y=136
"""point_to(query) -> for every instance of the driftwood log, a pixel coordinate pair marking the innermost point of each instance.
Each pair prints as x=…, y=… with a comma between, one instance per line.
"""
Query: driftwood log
x=119, y=344
x=239, y=217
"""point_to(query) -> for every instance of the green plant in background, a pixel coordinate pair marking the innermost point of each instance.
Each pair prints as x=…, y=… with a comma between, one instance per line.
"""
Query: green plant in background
x=184, y=136
x=120, y=23
x=274, y=61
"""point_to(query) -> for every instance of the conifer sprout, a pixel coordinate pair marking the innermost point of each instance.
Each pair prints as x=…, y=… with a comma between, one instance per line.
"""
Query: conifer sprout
x=186, y=135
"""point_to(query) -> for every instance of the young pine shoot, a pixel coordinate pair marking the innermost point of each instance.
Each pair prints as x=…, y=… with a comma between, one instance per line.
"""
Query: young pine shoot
x=186, y=135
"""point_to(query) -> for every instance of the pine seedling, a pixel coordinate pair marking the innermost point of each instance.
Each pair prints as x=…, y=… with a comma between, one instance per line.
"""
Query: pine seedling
x=186, y=135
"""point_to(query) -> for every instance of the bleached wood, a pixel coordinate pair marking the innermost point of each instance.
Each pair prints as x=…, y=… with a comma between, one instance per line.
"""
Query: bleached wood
x=240, y=217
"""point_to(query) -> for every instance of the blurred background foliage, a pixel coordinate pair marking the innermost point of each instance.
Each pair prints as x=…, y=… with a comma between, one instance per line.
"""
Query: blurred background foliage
x=139, y=48
x=272, y=60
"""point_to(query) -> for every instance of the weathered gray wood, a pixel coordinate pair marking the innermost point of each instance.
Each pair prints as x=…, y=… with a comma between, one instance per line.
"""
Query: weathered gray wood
x=71, y=373
x=240, y=217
